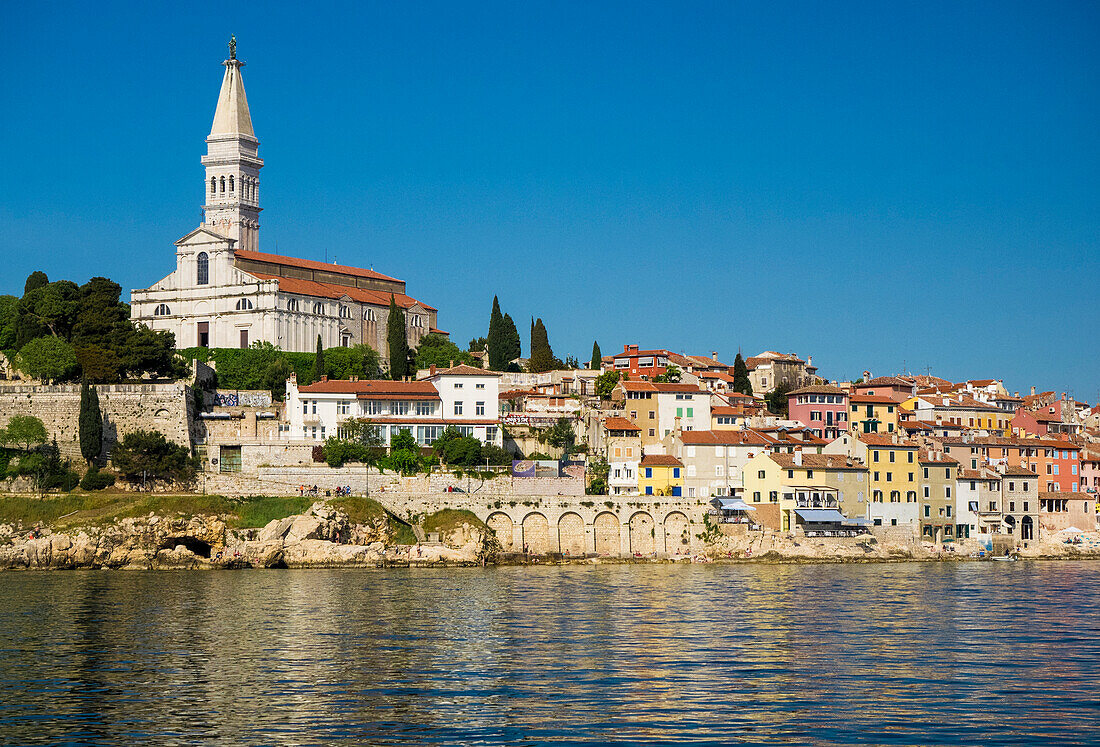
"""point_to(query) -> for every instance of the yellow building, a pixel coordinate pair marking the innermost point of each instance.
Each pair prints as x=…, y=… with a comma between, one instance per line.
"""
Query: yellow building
x=938, y=473
x=894, y=479
x=961, y=410
x=873, y=413
x=660, y=474
x=773, y=483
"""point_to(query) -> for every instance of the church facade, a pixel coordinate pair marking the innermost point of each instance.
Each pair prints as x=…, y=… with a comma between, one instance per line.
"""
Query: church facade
x=225, y=292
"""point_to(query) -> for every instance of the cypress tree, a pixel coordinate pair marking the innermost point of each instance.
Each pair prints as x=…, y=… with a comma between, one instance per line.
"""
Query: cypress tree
x=542, y=356
x=597, y=357
x=512, y=348
x=90, y=424
x=495, y=338
x=741, y=381
x=319, y=361
x=398, y=342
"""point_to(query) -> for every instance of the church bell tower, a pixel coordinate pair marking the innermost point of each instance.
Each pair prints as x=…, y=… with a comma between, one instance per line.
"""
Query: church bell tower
x=232, y=187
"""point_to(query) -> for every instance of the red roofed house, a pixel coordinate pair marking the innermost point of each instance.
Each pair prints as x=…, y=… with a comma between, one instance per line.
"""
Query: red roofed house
x=821, y=408
x=462, y=397
x=770, y=369
x=645, y=365
x=226, y=293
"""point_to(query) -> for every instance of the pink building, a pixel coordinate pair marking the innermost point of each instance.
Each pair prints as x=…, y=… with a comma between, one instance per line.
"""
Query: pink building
x=821, y=408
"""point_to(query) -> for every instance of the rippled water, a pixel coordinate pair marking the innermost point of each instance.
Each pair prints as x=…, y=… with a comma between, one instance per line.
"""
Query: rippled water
x=992, y=653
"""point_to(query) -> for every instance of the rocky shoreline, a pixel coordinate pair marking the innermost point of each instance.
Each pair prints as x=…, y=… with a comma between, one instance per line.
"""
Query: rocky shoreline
x=324, y=537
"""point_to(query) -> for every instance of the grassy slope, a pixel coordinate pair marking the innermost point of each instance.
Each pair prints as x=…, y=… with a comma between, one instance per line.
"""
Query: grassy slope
x=449, y=519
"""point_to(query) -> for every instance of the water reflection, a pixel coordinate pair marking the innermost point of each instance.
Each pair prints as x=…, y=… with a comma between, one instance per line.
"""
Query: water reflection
x=900, y=654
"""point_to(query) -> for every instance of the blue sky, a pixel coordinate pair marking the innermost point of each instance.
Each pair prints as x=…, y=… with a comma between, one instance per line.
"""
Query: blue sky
x=878, y=185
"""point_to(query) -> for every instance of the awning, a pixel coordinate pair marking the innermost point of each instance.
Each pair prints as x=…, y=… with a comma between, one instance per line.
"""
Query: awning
x=734, y=504
x=820, y=515
x=857, y=522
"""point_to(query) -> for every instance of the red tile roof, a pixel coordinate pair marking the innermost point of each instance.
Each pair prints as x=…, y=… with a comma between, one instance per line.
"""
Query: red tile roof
x=332, y=290
x=620, y=424
x=464, y=370
x=818, y=389
x=309, y=264
x=872, y=399
x=886, y=439
x=660, y=460
x=723, y=438
x=818, y=461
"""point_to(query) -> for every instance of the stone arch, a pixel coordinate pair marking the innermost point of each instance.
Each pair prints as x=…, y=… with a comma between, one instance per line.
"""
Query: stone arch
x=536, y=533
x=1027, y=529
x=642, y=534
x=677, y=533
x=571, y=534
x=501, y=524
x=606, y=530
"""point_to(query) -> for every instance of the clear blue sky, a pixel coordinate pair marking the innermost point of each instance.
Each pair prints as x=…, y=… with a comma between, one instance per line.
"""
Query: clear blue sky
x=874, y=184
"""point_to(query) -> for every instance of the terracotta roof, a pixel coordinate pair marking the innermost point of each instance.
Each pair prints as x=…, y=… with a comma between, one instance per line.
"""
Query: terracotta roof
x=620, y=424
x=916, y=425
x=872, y=399
x=981, y=382
x=373, y=387
x=1018, y=471
x=887, y=381
x=818, y=461
x=660, y=460
x=333, y=290
x=723, y=438
x=649, y=386
x=978, y=474
x=1010, y=442
x=818, y=389
x=464, y=370
x=935, y=458
x=309, y=264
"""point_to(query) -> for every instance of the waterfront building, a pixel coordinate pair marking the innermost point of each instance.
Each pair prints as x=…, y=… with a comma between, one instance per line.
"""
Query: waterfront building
x=1058, y=511
x=462, y=397
x=714, y=460
x=623, y=444
x=225, y=292
x=939, y=474
x=873, y=413
x=1057, y=463
x=962, y=410
x=897, y=388
x=774, y=482
x=659, y=409
x=660, y=474
x=770, y=369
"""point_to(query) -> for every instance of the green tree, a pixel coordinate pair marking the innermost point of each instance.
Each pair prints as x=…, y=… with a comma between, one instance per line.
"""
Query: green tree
x=606, y=383
x=360, y=360
x=512, y=348
x=319, y=361
x=47, y=310
x=597, y=357
x=496, y=456
x=47, y=358
x=8, y=305
x=542, y=356
x=672, y=375
x=274, y=377
x=776, y=399
x=36, y=279
x=741, y=381
x=362, y=442
x=98, y=365
x=151, y=351
x=398, y=342
x=25, y=431
x=404, y=439
x=477, y=344
x=495, y=340
x=598, y=470
x=100, y=316
x=149, y=455
x=562, y=436
x=437, y=350
x=90, y=424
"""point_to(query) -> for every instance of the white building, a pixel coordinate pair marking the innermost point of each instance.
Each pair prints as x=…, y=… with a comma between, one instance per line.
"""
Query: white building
x=226, y=293
x=462, y=397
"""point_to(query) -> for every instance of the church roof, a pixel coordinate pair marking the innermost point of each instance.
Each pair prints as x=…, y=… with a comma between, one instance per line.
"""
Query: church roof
x=310, y=264
x=332, y=290
x=232, y=117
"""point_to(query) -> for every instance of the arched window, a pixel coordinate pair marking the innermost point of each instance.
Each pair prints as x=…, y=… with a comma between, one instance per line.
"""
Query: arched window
x=292, y=304
x=223, y=184
x=345, y=312
x=162, y=310
x=319, y=308
x=895, y=496
x=244, y=304
x=213, y=185
x=230, y=182
x=202, y=269
x=368, y=315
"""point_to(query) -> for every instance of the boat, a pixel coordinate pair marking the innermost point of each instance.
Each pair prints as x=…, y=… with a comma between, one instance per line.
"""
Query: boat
x=1010, y=558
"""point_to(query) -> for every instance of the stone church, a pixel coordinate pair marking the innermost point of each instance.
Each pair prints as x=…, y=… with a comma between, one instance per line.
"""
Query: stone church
x=224, y=292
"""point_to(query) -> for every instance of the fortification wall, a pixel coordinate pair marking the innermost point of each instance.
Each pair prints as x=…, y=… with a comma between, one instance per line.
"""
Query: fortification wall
x=125, y=407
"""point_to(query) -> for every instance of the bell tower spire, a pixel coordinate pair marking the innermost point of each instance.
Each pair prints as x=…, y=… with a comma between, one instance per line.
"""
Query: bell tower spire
x=232, y=184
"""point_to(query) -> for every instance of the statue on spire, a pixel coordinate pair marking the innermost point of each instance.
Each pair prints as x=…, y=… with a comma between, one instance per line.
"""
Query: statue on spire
x=232, y=47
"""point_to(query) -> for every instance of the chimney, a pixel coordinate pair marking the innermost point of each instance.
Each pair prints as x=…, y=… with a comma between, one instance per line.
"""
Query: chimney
x=714, y=355
x=353, y=378
x=809, y=360
x=324, y=378
x=798, y=456
x=1033, y=391
x=431, y=370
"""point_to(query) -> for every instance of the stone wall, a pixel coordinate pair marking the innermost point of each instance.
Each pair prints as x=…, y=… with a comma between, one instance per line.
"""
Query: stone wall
x=125, y=407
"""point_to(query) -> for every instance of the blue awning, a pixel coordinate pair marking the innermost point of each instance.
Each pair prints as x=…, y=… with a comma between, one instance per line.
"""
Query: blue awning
x=857, y=522
x=820, y=515
x=734, y=504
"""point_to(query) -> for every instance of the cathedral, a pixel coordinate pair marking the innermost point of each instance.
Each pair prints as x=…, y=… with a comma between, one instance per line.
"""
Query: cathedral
x=225, y=292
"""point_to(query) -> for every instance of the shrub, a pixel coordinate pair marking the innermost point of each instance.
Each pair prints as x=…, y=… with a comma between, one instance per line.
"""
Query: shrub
x=96, y=480
x=149, y=455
